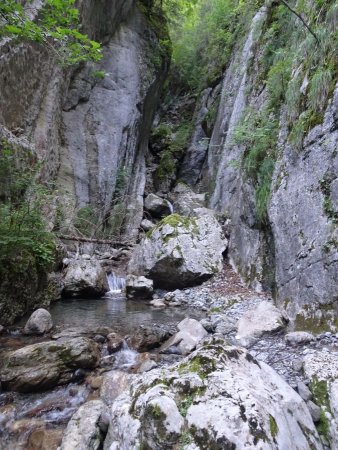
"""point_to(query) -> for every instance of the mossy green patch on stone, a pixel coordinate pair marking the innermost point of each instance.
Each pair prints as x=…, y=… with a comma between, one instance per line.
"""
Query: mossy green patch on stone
x=185, y=404
x=319, y=389
x=273, y=426
x=175, y=221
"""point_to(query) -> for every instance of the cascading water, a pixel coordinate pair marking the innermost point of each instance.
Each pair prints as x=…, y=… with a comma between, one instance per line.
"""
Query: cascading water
x=116, y=283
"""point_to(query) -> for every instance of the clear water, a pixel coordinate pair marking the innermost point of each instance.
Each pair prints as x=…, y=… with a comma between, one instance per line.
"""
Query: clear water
x=123, y=316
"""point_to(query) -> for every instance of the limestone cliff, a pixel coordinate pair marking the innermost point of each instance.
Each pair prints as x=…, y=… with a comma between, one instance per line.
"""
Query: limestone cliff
x=87, y=126
x=293, y=249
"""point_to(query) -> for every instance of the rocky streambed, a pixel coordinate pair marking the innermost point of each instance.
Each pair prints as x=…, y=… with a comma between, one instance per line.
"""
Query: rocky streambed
x=120, y=374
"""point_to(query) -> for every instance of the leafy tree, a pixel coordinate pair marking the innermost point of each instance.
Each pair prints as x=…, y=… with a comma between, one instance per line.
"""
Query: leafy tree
x=22, y=201
x=56, y=26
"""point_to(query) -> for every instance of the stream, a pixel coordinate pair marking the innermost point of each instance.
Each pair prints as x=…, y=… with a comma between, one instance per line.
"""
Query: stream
x=37, y=420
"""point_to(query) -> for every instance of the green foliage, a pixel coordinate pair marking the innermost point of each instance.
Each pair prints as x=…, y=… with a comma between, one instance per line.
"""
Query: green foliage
x=204, y=36
x=319, y=88
x=56, y=26
x=257, y=131
x=99, y=74
x=22, y=199
x=175, y=144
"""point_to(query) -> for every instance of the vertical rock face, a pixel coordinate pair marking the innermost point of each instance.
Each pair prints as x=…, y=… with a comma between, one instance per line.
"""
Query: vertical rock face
x=87, y=125
x=90, y=133
x=107, y=122
x=231, y=193
x=295, y=252
x=303, y=212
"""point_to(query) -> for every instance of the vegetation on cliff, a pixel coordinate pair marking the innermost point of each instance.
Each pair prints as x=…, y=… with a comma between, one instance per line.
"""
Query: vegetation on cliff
x=55, y=25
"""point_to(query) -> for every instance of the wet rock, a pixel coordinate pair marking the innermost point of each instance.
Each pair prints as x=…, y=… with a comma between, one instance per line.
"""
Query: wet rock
x=94, y=382
x=264, y=318
x=146, y=366
x=180, y=252
x=299, y=337
x=157, y=206
x=314, y=411
x=44, y=439
x=227, y=398
x=40, y=322
x=149, y=337
x=47, y=364
x=99, y=338
x=85, y=279
x=139, y=287
x=113, y=384
x=147, y=225
x=83, y=430
x=191, y=332
x=114, y=343
x=158, y=303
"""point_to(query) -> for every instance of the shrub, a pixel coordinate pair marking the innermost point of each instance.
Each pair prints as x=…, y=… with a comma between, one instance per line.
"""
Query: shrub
x=22, y=199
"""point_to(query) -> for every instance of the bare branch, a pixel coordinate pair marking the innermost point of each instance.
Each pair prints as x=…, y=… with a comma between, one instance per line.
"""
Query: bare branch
x=301, y=19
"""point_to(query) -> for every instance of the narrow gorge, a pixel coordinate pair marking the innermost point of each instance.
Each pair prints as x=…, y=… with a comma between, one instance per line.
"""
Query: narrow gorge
x=168, y=225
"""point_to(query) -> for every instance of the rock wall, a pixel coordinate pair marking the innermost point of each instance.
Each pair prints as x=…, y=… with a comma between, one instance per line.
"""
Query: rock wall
x=295, y=252
x=87, y=125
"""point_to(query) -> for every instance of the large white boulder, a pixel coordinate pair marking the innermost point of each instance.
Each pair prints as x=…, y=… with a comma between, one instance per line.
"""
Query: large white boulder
x=264, y=318
x=180, y=251
x=218, y=397
x=85, y=278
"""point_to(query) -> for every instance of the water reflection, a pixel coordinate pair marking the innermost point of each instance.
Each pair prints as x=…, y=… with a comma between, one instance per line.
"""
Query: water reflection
x=115, y=312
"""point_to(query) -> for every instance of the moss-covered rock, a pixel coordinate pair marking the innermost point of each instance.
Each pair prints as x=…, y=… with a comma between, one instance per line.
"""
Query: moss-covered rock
x=180, y=251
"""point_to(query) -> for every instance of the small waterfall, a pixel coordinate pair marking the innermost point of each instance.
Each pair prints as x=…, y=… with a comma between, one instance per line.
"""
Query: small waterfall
x=116, y=284
x=125, y=358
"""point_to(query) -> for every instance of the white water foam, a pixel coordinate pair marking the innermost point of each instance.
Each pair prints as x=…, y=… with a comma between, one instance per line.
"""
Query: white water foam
x=116, y=283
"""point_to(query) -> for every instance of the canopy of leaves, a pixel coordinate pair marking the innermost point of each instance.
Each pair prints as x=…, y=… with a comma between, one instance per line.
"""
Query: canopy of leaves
x=56, y=26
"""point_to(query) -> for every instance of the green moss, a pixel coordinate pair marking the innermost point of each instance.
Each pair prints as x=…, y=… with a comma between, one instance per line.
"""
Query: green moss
x=185, y=404
x=319, y=389
x=156, y=412
x=175, y=221
x=312, y=324
x=215, y=310
x=273, y=426
x=200, y=364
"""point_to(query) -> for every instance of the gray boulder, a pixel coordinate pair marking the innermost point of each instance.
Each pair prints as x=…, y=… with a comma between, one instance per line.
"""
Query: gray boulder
x=47, y=364
x=180, y=251
x=40, y=322
x=298, y=337
x=139, y=287
x=191, y=332
x=87, y=427
x=85, y=278
x=219, y=397
x=147, y=225
x=157, y=206
x=264, y=318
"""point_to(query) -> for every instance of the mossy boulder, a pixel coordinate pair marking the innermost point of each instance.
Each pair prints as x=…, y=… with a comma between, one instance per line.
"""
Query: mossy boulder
x=47, y=364
x=180, y=251
x=219, y=397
